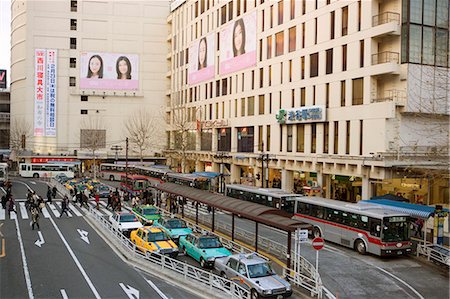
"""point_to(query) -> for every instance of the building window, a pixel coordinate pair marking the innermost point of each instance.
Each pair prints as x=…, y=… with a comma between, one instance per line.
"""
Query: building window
x=260, y=139
x=292, y=38
x=73, y=24
x=292, y=9
x=238, y=8
x=280, y=12
x=224, y=86
x=329, y=66
x=217, y=111
x=290, y=70
x=268, y=138
x=342, y=93
x=269, y=47
x=84, y=98
x=327, y=95
x=336, y=138
x=279, y=43
x=361, y=134
x=73, y=62
x=223, y=14
x=303, y=96
x=263, y=16
x=303, y=35
x=359, y=15
x=261, y=105
x=245, y=139
x=289, y=138
x=230, y=11
x=206, y=140
x=271, y=15
x=218, y=88
x=73, y=5
x=282, y=72
x=358, y=91
x=84, y=111
x=332, y=19
x=72, y=81
x=260, y=50
x=361, y=53
x=302, y=65
x=270, y=75
x=242, y=107
x=325, y=137
x=315, y=31
x=313, y=138
x=314, y=67
x=281, y=139
x=303, y=7
x=344, y=21
x=261, y=77
x=314, y=94
x=73, y=43
x=347, y=140
x=250, y=106
x=300, y=138
x=344, y=58
x=270, y=103
x=235, y=108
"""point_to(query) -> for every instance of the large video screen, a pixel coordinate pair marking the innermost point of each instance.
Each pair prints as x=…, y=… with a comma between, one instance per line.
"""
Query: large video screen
x=201, y=59
x=238, y=45
x=109, y=71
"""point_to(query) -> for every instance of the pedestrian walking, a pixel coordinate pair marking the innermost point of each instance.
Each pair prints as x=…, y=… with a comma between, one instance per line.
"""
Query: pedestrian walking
x=11, y=206
x=135, y=201
x=49, y=194
x=4, y=201
x=34, y=216
x=64, y=206
x=110, y=198
x=54, y=191
x=97, y=200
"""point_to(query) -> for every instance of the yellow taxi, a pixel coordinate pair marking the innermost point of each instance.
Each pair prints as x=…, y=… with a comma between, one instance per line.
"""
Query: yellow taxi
x=151, y=239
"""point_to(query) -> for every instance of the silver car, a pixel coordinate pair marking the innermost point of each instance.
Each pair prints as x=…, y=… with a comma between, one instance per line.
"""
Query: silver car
x=255, y=274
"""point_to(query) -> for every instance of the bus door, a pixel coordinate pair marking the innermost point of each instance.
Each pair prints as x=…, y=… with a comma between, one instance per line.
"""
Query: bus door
x=28, y=167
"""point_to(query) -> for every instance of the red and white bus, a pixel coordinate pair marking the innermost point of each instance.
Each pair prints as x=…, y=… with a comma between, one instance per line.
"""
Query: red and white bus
x=364, y=227
x=155, y=175
x=112, y=172
x=134, y=184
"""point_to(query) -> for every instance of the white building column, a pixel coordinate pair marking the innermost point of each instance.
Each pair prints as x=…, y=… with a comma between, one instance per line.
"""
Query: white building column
x=287, y=180
x=199, y=166
x=365, y=189
x=328, y=184
x=235, y=174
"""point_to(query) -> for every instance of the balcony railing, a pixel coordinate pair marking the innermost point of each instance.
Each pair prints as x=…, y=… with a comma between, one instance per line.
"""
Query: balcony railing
x=398, y=96
x=385, y=57
x=385, y=17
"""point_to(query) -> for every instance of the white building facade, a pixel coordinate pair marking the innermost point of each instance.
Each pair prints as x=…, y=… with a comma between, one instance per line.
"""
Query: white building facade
x=347, y=99
x=59, y=101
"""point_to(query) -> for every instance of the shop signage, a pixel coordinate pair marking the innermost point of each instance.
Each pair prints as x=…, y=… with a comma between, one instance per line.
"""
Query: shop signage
x=308, y=114
x=3, y=79
x=209, y=124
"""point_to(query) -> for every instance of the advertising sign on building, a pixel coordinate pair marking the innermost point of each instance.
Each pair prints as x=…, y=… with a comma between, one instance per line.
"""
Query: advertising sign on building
x=39, y=91
x=310, y=114
x=238, y=45
x=201, y=59
x=109, y=71
x=50, y=94
x=3, y=76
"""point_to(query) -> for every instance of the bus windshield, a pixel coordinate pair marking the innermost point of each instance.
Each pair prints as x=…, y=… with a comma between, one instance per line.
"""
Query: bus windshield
x=395, y=229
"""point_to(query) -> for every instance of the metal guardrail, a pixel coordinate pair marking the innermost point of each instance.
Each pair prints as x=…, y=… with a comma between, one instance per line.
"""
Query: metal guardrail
x=434, y=252
x=385, y=57
x=210, y=280
x=385, y=17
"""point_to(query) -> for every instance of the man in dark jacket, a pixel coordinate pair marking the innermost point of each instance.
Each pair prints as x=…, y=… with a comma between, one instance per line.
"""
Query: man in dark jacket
x=49, y=194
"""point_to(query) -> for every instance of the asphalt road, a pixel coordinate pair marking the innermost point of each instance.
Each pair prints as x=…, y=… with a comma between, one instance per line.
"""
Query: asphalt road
x=55, y=262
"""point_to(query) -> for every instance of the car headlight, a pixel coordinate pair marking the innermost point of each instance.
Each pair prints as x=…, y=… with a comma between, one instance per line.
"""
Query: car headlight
x=211, y=259
x=288, y=287
x=267, y=292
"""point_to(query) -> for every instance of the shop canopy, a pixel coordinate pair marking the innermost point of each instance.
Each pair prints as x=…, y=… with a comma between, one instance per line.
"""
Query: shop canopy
x=414, y=210
x=207, y=174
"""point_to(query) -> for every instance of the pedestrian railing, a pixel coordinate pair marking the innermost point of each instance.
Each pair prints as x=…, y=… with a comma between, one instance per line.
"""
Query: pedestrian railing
x=208, y=279
x=434, y=252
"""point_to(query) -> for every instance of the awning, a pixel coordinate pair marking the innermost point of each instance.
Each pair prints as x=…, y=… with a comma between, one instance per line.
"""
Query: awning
x=414, y=210
x=207, y=174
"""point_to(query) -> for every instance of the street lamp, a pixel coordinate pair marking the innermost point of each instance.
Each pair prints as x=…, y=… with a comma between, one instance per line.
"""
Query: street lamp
x=116, y=148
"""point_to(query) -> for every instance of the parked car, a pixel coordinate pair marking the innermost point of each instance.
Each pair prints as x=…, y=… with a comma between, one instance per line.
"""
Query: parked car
x=203, y=248
x=102, y=190
x=147, y=213
x=61, y=178
x=125, y=222
x=174, y=227
x=255, y=274
x=151, y=239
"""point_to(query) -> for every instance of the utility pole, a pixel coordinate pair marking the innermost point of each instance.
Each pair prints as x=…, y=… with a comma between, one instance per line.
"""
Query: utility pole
x=116, y=148
x=263, y=176
x=126, y=161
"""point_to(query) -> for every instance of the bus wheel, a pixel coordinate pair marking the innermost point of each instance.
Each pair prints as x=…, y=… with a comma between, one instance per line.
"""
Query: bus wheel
x=111, y=178
x=360, y=246
x=316, y=232
x=36, y=175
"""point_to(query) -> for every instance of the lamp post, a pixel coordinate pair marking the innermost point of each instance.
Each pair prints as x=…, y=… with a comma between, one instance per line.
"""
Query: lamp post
x=116, y=148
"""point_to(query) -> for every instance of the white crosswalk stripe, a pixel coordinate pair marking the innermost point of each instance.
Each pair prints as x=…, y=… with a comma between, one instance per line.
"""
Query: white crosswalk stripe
x=13, y=215
x=53, y=209
x=105, y=210
x=2, y=214
x=75, y=210
x=60, y=207
x=23, y=210
x=45, y=212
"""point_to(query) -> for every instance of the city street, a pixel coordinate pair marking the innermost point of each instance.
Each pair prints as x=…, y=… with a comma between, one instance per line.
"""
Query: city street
x=67, y=258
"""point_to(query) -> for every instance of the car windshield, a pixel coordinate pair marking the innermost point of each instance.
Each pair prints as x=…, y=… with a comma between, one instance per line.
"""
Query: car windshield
x=128, y=218
x=176, y=223
x=260, y=270
x=150, y=211
x=209, y=243
x=155, y=237
x=395, y=229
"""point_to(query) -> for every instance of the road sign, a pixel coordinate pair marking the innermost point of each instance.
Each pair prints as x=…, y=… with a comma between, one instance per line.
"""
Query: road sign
x=317, y=243
x=303, y=236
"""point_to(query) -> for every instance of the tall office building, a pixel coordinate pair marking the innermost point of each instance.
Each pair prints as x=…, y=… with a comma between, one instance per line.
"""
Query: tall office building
x=349, y=99
x=80, y=70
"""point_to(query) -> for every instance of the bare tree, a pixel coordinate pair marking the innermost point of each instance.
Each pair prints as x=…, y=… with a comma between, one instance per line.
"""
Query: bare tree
x=143, y=131
x=183, y=131
x=20, y=131
x=93, y=137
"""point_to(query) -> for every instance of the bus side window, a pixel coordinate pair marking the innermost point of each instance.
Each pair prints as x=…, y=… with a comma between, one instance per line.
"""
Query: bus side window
x=24, y=167
x=375, y=227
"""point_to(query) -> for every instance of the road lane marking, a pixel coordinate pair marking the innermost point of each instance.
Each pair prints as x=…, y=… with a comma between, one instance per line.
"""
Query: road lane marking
x=1, y=224
x=45, y=212
x=131, y=292
x=74, y=210
x=77, y=262
x=3, y=248
x=23, y=210
x=160, y=293
x=60, y=206
x=2, y=214
x=83, y=235
x=24, y=262
x=64, y=294
x=53, y=209
x=41, y=240
x=402, y=281
x=33, y=182
x=13, y=215
x=3, y=190
x=105, y=210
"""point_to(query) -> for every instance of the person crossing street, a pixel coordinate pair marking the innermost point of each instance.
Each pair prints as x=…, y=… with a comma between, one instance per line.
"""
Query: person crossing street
x=64, y=206
x=34, y=216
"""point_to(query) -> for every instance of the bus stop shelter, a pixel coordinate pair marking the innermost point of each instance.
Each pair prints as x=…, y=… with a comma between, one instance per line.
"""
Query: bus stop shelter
x=258, y=213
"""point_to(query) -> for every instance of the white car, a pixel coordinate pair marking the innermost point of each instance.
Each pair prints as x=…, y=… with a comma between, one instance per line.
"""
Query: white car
x=125, y=222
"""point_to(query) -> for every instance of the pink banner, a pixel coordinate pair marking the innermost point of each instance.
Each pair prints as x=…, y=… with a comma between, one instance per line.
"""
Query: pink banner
x=110, y=84
x=238, y=63
x=201, y=59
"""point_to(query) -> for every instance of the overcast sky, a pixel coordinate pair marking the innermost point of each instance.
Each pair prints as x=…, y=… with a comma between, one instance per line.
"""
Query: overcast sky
x=5, y=19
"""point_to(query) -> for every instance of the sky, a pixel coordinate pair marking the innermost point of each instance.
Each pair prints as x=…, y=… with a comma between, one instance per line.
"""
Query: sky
x=5, y=23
